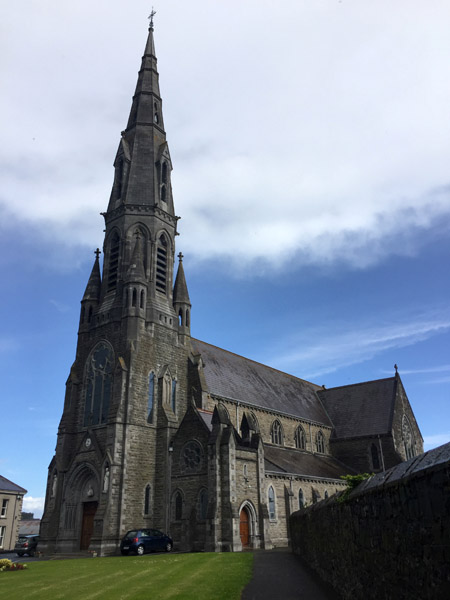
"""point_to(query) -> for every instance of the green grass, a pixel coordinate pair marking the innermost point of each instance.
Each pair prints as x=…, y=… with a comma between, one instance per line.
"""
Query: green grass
x=203, y=576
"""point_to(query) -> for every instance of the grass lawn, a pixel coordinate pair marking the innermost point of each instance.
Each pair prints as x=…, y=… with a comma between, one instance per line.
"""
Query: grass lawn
x=203, y=576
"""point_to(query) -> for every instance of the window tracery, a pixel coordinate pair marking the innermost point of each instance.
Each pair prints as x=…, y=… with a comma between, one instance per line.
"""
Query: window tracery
x=276, y=433
x=98, y=385
x=300, y=438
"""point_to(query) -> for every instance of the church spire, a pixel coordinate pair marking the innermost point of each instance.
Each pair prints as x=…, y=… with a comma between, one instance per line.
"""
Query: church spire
x=91, y=295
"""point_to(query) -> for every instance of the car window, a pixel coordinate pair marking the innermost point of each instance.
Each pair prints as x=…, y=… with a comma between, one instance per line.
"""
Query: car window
x=131, y=534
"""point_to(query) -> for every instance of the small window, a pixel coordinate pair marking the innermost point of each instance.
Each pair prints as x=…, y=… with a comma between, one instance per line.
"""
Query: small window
x=147, y=500
x=178, y=506
x=2, y=535
x=4, y=508
x=300, y=438
x=134, y=297
x=142, y=299
x=155, y=115
x=271, y=497
x=164, y=173
x=245, y=471
x=277, y=433
x=301, y=499
x=320, y=443
x=163, y=193
x=174, y=395
x=326, y=494
x=151, y=397
x=203, y=504
x=375, y=457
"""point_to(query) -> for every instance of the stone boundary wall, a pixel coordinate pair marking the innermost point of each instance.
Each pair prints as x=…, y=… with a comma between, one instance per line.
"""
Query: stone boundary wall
x=389, y=539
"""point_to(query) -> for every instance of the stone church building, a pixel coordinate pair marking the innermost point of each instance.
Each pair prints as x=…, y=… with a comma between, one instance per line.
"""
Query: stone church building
x=163, y=430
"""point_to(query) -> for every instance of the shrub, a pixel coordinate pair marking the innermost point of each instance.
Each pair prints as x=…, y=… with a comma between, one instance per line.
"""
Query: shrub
x=8, y=565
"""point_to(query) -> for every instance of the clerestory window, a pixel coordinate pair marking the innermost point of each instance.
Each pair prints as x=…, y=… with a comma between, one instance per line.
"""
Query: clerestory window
x=271, y=498
x=300, y=438
x=151, y=397
x=320, y=443
x=276, y=433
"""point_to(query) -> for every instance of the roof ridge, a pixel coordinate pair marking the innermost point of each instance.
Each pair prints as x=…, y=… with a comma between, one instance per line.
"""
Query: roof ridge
x=259, y=363
x=338, y=387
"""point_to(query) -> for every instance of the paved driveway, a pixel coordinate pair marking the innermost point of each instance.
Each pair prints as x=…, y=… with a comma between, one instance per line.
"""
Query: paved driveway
x=279, y=574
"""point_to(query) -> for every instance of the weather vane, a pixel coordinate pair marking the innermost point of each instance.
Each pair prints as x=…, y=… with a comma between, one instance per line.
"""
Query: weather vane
x=151, y=15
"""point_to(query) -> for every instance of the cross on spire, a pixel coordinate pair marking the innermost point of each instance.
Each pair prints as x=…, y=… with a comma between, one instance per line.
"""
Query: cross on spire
x=396, y=369
x=97, y=253
x=180, y=256
x=150, y=17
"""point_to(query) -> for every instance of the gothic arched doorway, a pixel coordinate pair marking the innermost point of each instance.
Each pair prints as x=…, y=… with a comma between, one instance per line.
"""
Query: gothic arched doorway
x=244, y=527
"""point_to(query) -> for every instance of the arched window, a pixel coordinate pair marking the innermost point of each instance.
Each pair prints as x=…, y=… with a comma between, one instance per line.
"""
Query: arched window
x=276, y=433
x=271, y=498
x=98, y=385
x=174, y=395
x=155, y=115
x=147, y=500
x=178, y=506
x=151, y=397
x=113, y=261
x=325, y=494
x=408, y=438
x=163, y=193
x=180, y=317
x=134, y=297
x=187, y=318
x=375, y=455
x=300, y=438
x=161, y=264
x=90, y=314
x=301, y=499
x=142, y=299
x=320, y=443
x=202, y=504
x=164, y=172
x=315, y=496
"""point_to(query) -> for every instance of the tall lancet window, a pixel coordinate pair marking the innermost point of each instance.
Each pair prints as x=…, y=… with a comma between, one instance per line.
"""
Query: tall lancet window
x=151, y=397
x=98, y=385
x=408, y=438
x=161, y=265
x=113, y=264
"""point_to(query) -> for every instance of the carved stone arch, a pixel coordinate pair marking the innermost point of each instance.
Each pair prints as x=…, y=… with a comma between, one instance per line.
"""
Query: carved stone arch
x=248, y=525
x=83, y=484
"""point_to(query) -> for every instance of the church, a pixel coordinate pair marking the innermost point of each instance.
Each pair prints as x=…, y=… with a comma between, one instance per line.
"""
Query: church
x=162, y=430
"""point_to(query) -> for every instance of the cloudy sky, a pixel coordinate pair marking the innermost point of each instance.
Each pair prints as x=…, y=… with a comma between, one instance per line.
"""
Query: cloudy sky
x=311, y=146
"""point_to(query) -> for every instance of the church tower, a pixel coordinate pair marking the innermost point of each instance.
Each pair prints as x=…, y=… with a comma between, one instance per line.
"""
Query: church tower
x=126, y=392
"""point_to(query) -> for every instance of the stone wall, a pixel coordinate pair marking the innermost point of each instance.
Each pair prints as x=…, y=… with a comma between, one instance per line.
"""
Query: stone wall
x=390, y=539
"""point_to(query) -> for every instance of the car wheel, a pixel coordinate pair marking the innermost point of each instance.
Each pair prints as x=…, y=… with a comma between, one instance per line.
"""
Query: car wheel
x=140, y=550
x=168, y=547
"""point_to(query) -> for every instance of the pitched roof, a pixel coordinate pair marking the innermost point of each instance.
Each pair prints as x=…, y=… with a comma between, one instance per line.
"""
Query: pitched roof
x=232, y=376
x=288, y=460
x=360, y=409
x=8, y=486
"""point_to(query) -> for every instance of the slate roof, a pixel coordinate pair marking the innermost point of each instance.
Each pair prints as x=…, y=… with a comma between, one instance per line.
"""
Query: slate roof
x=8, y=486
x=288, y=460
x=29, y=526
x=206, y=415
x=232, y=376
x=361, y=409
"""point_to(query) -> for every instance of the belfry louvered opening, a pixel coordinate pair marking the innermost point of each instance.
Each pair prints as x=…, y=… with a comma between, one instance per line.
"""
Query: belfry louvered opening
x=161, y=265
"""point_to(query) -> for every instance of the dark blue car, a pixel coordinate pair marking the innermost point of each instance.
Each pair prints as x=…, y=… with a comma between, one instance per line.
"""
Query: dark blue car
x=145, y=540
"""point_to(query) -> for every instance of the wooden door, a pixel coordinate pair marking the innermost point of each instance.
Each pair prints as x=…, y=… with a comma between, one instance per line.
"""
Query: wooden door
x=87, y=525
x=244, y=527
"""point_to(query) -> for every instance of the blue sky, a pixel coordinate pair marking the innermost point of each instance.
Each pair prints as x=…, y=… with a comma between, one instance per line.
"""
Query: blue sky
x=311, y=147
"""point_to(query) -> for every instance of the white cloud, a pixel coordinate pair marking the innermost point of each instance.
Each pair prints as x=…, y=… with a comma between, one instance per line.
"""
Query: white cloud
x=349, y=344
x=318, y=130
x=34, y=505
